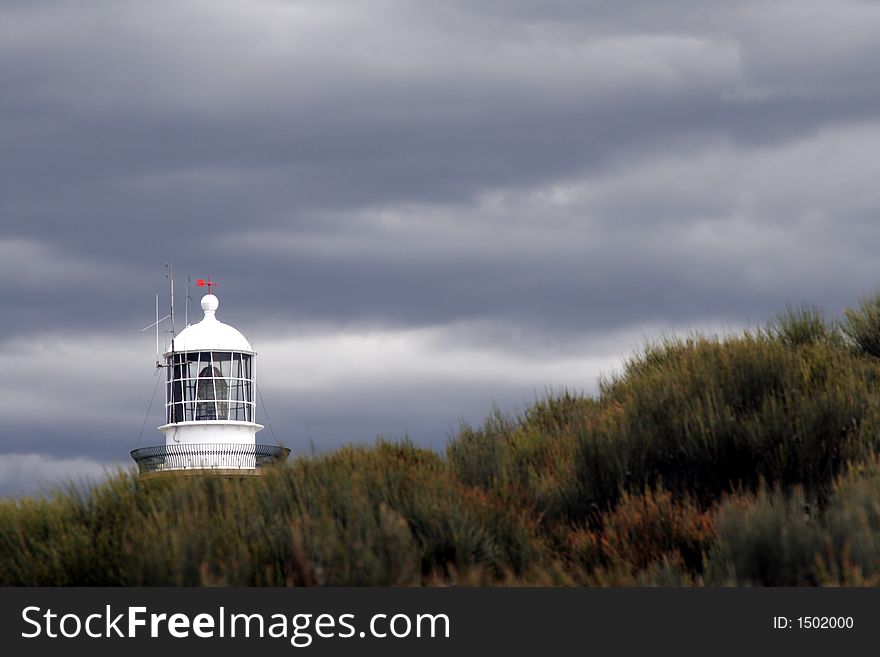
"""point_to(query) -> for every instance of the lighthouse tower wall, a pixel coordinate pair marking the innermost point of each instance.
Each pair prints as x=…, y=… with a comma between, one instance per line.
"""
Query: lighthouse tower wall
x=210, y=432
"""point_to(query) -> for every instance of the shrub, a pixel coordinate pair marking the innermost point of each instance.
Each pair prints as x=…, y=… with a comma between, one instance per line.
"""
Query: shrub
x=703, y=416
x=652, y=528
x=648, y=538
x=797, y=326
x=390, y=514
x=707, y=417
x=862, y=325
x=772, y=540
x=786, y=539
x=852, y=527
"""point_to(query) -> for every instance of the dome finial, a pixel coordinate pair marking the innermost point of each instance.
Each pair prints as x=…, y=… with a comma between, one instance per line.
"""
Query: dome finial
x=210, y=303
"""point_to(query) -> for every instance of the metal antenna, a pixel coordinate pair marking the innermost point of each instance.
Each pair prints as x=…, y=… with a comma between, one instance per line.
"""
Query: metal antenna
x=188, y=282
x=156, y=324
x=170, y=274
x=158, y=362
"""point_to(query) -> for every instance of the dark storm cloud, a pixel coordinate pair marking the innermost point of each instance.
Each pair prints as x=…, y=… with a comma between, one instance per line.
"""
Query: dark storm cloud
x=527, y=179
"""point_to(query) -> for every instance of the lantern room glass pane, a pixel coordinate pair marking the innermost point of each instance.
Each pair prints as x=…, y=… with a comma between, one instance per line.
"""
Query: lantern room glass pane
x=223, y=361
x=239, y=411
x=205, y=385
x=206, y=408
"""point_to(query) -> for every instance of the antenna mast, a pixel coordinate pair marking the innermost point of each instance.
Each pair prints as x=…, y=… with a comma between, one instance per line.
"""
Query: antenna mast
x=170, y=274
x=158, y=362
x=170, y=266
x=156, y=324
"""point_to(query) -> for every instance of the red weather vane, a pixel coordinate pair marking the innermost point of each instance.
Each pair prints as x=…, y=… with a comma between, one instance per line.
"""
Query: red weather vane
x=201, y=282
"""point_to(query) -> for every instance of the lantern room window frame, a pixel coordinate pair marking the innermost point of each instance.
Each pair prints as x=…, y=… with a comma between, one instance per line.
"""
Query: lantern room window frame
x=209, y=385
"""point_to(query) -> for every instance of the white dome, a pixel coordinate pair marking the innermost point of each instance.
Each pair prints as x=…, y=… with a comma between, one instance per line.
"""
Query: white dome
x=210, y=334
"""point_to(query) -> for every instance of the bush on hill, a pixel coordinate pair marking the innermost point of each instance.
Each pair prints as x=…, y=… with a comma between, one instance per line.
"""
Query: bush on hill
x=744, y=460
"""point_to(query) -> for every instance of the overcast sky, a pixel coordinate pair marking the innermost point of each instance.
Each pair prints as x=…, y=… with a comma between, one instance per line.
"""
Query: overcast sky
x=415, y=210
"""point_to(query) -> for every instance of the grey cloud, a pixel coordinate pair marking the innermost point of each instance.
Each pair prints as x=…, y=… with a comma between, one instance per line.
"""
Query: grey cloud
x=31, y=474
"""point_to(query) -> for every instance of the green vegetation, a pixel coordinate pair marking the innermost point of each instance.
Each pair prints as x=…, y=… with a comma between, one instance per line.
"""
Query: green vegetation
x=747, y=460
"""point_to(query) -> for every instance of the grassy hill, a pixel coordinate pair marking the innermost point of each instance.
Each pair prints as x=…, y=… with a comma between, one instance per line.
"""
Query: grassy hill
x=747, y=460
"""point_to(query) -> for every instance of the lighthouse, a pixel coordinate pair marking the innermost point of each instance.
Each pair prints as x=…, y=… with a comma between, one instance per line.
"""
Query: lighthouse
x=210, y=422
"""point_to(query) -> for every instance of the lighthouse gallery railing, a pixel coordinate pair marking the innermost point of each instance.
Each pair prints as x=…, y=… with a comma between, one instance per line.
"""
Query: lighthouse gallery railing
x=207, y=455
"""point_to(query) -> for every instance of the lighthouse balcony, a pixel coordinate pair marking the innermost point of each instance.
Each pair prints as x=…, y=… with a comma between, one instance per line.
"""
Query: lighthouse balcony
x=209, y=458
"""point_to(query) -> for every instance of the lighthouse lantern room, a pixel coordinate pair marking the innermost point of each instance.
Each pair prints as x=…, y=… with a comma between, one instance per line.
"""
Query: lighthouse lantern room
x=210, y=411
